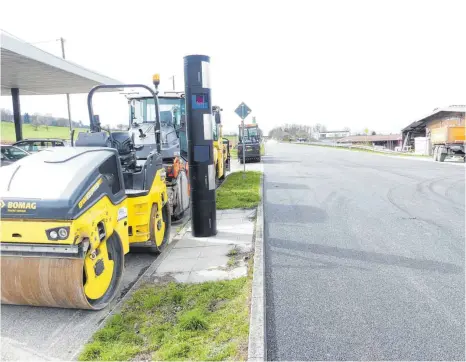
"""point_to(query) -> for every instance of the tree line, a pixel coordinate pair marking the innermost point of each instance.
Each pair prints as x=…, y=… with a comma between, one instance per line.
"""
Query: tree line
x=289, y=131
x=41, y=120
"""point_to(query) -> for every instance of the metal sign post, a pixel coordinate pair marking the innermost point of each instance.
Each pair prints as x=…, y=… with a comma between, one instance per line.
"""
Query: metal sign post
x=243, y=111
x=200, y=145
x=244, y=147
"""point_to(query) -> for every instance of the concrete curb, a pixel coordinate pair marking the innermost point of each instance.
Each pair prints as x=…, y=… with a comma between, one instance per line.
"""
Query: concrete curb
x=115, y=308
x=257, y=349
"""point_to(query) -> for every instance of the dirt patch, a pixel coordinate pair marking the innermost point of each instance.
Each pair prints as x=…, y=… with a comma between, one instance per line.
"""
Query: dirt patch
x=125, y=290
x=142, y=357
x=162, y=279
x=216, y=304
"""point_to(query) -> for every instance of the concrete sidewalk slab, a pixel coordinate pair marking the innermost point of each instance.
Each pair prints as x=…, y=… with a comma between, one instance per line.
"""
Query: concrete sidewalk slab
x=170, y=265
x=196, y=260
x=234, y=224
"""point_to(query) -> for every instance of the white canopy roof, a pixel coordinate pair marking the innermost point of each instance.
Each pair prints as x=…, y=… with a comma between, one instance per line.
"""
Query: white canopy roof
x=36, y=72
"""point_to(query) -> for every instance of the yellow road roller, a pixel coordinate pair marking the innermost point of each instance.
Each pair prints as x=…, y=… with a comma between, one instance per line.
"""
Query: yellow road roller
x=70, y=214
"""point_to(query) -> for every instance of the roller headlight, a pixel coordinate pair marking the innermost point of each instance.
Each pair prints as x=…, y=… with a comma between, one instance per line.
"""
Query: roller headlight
x=60, y=233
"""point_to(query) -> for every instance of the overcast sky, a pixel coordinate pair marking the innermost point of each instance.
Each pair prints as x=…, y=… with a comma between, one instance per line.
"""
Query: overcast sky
x=374, y=64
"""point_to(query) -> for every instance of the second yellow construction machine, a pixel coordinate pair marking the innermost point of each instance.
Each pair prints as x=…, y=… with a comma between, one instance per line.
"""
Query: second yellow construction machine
x=70, y=214
x=221, y=146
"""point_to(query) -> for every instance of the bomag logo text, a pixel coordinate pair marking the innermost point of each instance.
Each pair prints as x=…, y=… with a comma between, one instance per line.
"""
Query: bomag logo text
x=90, y=193
x=21, y=205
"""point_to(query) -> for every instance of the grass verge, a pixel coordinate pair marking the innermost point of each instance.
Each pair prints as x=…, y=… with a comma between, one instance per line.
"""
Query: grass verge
x=233, y=154
x=207, y=321
x=8, y=132
x=238, y=192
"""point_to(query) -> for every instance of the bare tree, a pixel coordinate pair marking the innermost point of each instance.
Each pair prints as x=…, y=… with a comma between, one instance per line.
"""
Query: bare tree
x=62, y=122
x=6, y=115
x=36, y=121
x=35, y=124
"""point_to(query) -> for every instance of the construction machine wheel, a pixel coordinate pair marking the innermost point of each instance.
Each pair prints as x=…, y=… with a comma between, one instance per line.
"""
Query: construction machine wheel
x=159, y=228
x=87, y=282
x=442, y=157
x=182, y=194
x=224, y=170
x=178, y=216
x=217, y=180
x=111, y=258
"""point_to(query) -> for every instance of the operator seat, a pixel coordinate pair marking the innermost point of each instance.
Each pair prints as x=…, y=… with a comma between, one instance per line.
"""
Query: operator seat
x=124, y=144
x=93, y=139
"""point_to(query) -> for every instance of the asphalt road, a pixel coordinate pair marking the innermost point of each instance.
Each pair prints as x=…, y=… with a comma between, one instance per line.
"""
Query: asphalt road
x=37, y=333
x=365, y=256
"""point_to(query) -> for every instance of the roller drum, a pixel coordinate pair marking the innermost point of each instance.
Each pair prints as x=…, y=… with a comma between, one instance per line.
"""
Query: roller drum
x=58, y=281
x=52, y=282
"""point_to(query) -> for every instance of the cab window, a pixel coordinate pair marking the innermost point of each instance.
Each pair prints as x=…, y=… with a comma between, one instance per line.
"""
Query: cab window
x=171, y=137
x=183, y=144
x=215, y=131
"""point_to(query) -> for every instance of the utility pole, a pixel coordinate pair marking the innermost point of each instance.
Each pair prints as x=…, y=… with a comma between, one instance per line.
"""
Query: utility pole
x=173, y=83
x=67, y=94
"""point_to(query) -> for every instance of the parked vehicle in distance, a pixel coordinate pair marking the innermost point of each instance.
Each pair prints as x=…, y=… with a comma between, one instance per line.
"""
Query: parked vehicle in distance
x=252, y=142
x=11, y=154
x=32, y=145
x=448, y=141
